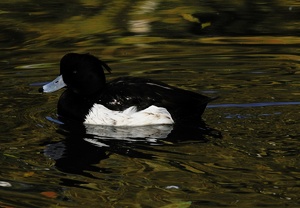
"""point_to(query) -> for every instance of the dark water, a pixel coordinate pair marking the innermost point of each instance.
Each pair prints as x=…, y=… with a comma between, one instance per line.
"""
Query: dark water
x=246, y=154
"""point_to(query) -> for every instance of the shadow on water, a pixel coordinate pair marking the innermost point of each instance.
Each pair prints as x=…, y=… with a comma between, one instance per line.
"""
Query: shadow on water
x=85, y=145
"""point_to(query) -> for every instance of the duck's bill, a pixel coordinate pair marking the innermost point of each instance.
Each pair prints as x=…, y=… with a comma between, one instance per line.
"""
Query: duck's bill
x=53, y=86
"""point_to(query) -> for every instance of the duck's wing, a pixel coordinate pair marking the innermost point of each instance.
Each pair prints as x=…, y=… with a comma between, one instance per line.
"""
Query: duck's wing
x=125, y=92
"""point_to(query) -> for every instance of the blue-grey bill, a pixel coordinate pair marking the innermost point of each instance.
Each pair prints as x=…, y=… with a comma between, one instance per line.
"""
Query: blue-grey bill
x=55, y=85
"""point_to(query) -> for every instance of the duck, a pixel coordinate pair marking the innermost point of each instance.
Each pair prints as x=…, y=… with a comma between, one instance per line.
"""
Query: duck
x=124, y=101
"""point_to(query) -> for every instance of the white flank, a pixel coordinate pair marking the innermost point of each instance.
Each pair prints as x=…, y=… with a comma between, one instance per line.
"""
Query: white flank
x=100, y=115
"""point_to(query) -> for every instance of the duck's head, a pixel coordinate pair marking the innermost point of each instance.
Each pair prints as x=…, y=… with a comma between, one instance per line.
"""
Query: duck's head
x=81, y=73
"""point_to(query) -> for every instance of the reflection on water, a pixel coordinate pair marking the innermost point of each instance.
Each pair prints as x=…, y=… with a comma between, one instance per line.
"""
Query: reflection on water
x=151, y=134
x=249, y=105
x=86, y=145
x=245, y=52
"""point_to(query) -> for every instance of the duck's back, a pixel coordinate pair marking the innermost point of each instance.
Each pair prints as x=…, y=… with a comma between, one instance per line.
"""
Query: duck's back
x=125, y=92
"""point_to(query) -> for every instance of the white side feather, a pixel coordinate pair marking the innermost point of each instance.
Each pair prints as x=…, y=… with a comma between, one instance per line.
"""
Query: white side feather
x=100, y=115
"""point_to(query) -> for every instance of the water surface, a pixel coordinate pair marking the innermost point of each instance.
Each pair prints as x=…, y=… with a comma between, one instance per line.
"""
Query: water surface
x=246, y=154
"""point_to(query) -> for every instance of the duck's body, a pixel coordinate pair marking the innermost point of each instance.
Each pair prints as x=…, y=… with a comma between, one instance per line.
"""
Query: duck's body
x=126, y=101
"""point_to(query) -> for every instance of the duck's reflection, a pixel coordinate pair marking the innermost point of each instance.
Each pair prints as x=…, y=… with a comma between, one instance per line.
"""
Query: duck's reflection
x=102, y=136
x=83, y=146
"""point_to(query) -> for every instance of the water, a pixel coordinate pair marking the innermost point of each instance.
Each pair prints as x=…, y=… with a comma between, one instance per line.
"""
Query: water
x=246, y=154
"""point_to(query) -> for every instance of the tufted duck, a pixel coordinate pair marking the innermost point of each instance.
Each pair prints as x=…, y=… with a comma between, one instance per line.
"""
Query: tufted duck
x=125, y=101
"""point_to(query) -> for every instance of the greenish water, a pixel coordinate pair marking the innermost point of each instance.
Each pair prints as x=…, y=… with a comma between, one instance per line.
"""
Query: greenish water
x=247, y=53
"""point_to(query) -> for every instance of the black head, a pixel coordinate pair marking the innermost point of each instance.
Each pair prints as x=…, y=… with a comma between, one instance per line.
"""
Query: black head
x=83, y=73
